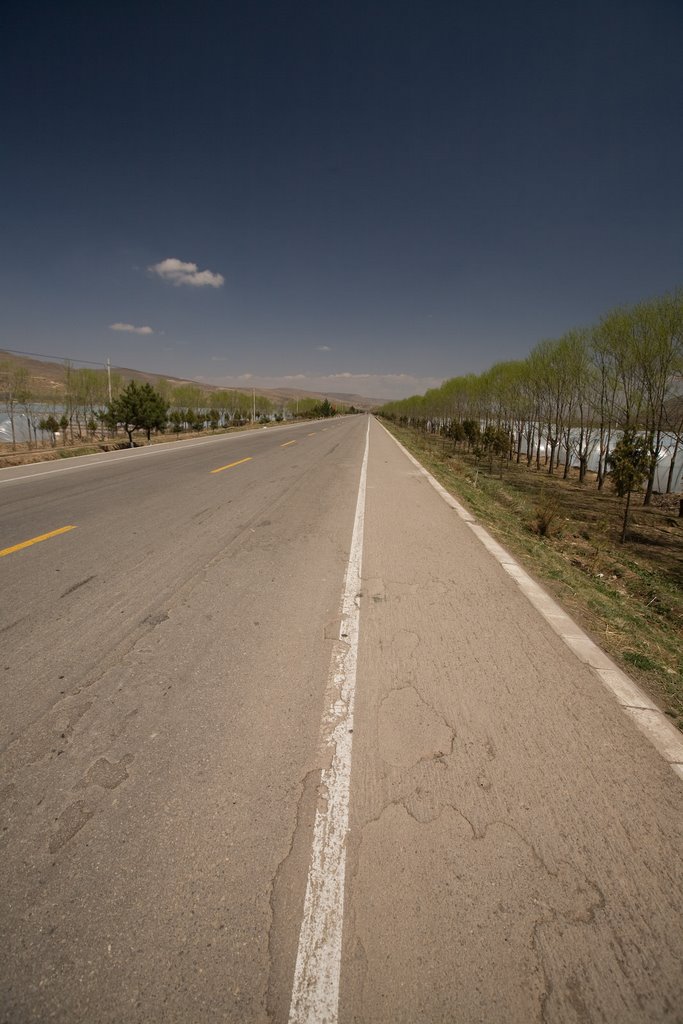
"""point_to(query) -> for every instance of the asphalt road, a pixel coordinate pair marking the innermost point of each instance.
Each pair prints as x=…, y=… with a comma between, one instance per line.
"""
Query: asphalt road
x=514, y=850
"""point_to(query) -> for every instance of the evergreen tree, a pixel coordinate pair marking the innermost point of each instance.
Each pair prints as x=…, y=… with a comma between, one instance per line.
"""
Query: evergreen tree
x=629, y=463
x=139, y=407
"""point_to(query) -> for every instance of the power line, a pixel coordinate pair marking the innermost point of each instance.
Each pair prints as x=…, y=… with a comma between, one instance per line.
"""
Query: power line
x=52, y=358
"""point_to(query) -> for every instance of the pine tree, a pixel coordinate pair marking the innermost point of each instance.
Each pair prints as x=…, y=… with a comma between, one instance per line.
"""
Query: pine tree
x=139, y=407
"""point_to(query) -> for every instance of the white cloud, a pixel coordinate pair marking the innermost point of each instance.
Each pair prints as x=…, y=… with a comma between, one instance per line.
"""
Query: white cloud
x=323, y=348
x=130, y=329
x=178, y=273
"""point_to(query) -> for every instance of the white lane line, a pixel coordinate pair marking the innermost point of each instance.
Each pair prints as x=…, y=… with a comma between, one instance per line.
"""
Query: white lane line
x=109, y=458
x=315, y=991
x=635, y=703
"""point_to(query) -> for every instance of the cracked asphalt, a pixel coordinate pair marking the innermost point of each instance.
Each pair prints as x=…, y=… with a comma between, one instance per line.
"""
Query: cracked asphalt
x=514, y=851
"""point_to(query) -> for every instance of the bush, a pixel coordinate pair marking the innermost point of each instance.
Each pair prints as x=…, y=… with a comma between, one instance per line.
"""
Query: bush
x=547, y=511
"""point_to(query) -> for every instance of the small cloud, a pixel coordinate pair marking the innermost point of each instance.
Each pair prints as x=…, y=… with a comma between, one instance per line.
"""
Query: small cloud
x=323, y=348
x=179, y=273
x=130, y=329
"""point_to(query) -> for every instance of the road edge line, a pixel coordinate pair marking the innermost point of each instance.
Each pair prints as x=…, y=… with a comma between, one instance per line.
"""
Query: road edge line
x=315, y=989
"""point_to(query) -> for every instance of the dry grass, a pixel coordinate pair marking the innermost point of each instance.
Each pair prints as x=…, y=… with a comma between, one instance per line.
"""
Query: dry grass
x=629, y=597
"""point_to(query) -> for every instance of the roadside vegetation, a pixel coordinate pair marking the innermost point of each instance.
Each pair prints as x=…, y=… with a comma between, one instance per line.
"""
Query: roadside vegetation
x=572, y=458
x=572, y=399
x=92, y=410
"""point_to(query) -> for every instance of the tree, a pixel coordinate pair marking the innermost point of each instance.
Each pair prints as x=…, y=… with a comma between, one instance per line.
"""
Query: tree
x=139, y=407
x=50, y=425
x=15, y=391
x=629, y=462
x=177, y=418
x=326, y=409
x=659, y=350
x=302, y=408
x=495, y=441
x=471, y=431
x=85, y=395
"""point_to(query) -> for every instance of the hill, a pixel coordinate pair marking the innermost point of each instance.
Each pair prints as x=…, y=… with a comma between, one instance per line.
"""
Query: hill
x=50, y=376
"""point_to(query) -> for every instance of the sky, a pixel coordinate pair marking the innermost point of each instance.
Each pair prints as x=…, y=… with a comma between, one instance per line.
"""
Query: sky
x=340, y=196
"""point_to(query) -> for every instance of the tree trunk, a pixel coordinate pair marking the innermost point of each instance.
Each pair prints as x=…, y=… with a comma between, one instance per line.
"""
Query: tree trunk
x=625, y=523
x=670, y=477
x=654, y=448
x=14, y=433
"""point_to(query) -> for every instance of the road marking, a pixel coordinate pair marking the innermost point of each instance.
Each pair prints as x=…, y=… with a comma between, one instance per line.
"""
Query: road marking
x=287, y=443
x=231, y=464
x=312, y=433
x=35, y=540
x=634, y=702
x=315, y=992
x=113, y=458
x=110, y=458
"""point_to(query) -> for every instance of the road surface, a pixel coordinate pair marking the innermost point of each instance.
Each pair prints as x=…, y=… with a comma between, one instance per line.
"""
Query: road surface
x=282, y=741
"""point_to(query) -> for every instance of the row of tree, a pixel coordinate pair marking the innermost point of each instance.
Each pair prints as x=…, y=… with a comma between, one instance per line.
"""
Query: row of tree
x=141, y=407
x=573, y=398
x=81, y=408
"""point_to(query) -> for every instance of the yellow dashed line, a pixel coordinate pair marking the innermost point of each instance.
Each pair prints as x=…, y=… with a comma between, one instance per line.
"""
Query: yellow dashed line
x=231, y=464
x=35, y=540
x=287, y=443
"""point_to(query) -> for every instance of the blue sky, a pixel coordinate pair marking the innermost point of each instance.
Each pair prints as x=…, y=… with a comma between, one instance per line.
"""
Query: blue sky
x=373, y=196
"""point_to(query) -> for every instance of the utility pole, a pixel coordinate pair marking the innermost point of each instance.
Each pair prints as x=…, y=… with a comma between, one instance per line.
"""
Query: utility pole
x=109, y=378
x=253, y=405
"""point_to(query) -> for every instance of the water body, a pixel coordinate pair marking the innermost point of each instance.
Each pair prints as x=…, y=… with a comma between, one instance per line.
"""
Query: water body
x=663, y=462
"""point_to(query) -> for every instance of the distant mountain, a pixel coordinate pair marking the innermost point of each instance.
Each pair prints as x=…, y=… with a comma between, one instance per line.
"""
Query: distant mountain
x=50, y=376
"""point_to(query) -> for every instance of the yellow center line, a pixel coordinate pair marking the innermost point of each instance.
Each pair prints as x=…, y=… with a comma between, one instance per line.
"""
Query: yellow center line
x=231, y=464
x=312, y=433
x=286, y=443
x=35, y=540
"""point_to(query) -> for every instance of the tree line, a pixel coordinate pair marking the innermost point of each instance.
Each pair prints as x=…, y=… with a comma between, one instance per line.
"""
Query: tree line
x=574, y=399
x=94, y=404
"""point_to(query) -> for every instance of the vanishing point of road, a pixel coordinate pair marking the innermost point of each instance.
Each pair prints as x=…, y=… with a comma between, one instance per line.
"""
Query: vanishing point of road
x=283, y=740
